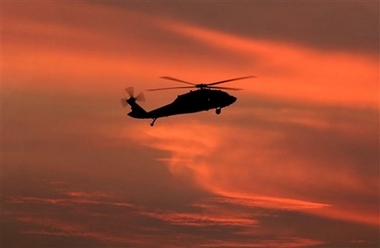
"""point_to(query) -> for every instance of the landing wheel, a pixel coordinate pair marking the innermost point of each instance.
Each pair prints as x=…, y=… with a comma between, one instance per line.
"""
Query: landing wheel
x=154, y=120
x=218, y=111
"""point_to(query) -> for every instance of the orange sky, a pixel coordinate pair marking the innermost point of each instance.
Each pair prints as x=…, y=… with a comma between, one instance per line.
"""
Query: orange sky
x=290, y=164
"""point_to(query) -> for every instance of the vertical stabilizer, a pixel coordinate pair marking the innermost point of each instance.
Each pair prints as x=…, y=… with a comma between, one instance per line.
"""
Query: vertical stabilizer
x=137, y=110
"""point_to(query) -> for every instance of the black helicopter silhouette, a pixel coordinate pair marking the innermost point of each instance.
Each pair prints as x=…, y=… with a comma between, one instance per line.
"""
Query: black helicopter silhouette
x=202, y=99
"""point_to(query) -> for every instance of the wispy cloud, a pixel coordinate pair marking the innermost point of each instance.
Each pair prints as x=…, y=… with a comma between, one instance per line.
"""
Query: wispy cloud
x=205, y=222
x=263, y=164
x=291, y=71
x=293, y=163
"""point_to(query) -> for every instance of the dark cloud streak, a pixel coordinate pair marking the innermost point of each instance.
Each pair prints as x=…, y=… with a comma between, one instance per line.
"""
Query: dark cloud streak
x=332, y=25
x=78, y=171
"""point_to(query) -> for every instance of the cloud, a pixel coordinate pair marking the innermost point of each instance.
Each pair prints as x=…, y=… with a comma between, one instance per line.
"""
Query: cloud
x=292, y=163
x=330, y=26
x=290, y=71
x=117, y=53
x=99, y=218
x=267, y=159
x=95, y=215
x=92, y=48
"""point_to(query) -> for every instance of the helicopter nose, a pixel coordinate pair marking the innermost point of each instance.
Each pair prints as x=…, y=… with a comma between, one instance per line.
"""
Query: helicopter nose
x=233, y=99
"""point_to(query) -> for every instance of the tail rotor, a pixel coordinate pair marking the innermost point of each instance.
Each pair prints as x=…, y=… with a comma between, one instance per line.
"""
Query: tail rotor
x=132, y=98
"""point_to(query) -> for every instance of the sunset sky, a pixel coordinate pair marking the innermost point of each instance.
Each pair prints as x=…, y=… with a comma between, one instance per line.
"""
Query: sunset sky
x=294, y=162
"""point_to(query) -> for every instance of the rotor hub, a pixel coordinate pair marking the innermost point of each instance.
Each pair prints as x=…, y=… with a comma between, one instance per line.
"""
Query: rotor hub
x=202, y=86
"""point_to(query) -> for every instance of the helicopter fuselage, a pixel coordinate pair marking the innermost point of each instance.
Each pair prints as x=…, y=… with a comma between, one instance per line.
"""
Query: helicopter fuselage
x=191, y=102
x=208, y=96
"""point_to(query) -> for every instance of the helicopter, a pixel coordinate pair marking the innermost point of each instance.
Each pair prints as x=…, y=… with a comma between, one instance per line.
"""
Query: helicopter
x=207, y=96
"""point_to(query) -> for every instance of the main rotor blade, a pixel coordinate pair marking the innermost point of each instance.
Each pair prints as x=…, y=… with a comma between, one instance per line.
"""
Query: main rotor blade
x=232, y=79
x=130, y=91
x=171, y=88
x=223, y=88
x=177, y=80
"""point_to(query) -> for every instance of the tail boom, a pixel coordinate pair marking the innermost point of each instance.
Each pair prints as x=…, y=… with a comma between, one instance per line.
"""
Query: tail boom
x=137, y=110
